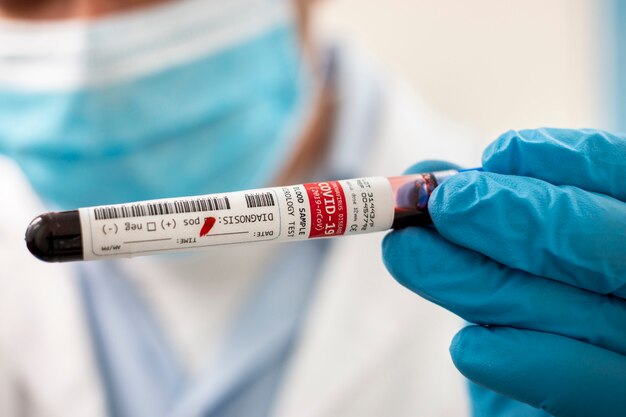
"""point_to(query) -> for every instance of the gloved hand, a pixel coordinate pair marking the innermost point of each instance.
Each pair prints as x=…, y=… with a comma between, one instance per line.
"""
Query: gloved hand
x=533, y=250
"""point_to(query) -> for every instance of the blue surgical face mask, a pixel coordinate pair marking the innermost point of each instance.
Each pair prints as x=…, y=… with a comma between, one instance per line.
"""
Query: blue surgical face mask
x=189, y=98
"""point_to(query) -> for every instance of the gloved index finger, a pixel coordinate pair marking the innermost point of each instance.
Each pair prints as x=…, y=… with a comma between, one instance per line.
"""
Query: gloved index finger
x=558, y=232
x=593, y=160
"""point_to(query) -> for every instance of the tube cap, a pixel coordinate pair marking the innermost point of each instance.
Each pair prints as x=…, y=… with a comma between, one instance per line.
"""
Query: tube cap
x=55, y=237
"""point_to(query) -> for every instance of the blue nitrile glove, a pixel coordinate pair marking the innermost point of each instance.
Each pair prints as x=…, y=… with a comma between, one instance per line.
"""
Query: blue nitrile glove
x=533, y=250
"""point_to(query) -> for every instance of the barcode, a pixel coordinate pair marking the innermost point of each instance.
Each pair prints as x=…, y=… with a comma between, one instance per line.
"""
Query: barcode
x=160, y=208
x=260, y=200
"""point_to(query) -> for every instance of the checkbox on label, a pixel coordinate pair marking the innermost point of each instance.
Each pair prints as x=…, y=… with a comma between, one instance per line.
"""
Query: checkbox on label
x=151, y=226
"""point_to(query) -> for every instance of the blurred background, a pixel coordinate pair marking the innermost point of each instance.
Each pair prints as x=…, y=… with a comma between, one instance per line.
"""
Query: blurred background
x=488, y=64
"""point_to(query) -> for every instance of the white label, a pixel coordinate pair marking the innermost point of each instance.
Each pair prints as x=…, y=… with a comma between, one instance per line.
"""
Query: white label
x=290, y=213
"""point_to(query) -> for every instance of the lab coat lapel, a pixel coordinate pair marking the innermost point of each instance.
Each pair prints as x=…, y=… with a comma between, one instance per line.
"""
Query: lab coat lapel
x=358, y=315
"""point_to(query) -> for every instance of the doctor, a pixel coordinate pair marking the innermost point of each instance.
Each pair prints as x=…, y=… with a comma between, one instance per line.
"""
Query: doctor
x=104, y=102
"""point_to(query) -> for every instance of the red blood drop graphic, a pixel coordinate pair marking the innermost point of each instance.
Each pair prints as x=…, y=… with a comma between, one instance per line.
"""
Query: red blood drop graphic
x=207, y=226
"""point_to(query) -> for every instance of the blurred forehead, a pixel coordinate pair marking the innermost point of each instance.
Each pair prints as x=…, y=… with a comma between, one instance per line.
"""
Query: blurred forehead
x=68, y=9
x=89, y=9
x=36, y=10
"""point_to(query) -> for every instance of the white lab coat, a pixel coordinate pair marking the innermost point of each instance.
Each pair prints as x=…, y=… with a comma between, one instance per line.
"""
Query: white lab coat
x=369, y=347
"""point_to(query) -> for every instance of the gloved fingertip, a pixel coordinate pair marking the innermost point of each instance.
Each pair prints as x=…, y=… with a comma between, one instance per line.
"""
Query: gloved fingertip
x=388, y=246
x=416, y=256
x=466, y=349
x=398, y=247
x=498, y=155
x=431, y=166
x=451, y=197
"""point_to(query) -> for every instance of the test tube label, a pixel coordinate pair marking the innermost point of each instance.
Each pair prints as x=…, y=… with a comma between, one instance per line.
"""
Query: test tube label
x=297, y=212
